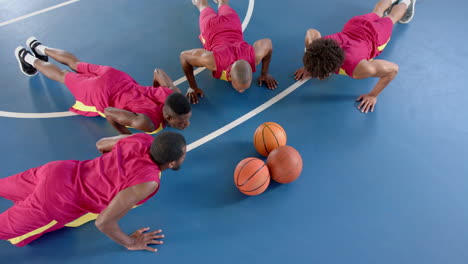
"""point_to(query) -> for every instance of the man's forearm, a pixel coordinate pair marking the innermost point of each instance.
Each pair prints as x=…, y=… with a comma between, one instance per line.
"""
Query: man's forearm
x=266, y=63
x=113, y=231
x=381, y=84
x=161, y=78
x=188, y=70
x=118, y=121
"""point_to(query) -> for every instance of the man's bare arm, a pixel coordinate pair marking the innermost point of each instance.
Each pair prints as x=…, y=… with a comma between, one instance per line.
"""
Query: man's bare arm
x=263, y=51
x=311, y=35
x=107, y=221
x=196, y=58
x=121, y=119
x=106, y=144
x=385, y=70
x=160, y=78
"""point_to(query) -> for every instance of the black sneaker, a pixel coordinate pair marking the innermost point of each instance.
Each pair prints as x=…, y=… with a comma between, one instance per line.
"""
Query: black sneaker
x=387, y=12
x=32, y=43
x=25, y=67
x=409, y=13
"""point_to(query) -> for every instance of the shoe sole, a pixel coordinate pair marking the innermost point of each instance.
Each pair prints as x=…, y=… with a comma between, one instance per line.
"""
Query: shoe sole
x=17, y=50
x=413, y=5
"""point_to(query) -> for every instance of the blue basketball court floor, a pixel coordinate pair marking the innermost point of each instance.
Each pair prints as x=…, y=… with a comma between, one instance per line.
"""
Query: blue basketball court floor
x=385, y=187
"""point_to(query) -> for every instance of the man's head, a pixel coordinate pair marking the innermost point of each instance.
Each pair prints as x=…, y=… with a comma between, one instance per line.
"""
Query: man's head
x=323, y=57
x=168, y=150
x=241, y=75
x=177, y=111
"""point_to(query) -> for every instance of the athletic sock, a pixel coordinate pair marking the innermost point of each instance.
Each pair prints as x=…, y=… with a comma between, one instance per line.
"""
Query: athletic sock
x=30, y=59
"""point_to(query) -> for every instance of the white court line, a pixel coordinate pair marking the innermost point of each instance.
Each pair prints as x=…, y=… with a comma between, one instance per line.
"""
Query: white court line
x=37, y=13
x=245, y=117
x=36, y=115
x=245, y=23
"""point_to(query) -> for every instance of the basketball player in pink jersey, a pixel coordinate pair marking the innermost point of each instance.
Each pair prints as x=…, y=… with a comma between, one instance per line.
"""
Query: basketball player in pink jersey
x=105, y=91
x=225, y=52
x=352, y=51
x=71, y=192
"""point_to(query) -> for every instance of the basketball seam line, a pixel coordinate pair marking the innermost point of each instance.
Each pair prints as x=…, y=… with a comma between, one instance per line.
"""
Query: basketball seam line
x=240, y=169
x=259, y=186
x=252, y=175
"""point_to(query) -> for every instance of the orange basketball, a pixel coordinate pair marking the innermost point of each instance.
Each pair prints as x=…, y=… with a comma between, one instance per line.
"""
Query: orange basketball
x=285, y=164
x=252, y=176
x=269, y=136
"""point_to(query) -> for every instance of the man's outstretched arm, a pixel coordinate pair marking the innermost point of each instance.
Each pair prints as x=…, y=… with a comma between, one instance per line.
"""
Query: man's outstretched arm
x=196, y=58
x=107, y=221
x=385, y=70
x=121, y=119
x=263, y=51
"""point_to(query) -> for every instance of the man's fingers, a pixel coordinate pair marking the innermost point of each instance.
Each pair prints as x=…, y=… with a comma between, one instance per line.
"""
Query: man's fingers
x=365, y=109
x=372, y=108
x=359, y=98
x=156, y=242
x=151, y=249
x=152, y=233
x=361, y=104
x=273, y=84
x=141, y=230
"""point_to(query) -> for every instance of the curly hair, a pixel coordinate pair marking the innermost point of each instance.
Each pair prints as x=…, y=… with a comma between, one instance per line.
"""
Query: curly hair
x=323, y=57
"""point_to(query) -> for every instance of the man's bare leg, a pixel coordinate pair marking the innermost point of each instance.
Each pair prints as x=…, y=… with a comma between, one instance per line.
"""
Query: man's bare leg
x=398, y=12
x=200, y=4
x=381, y=7
x=221, y=2
x=50, y=70
x=63, y=57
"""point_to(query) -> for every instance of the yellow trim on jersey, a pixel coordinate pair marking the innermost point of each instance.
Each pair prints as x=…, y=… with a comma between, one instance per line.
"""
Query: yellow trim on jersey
x=82, y=220
x=85, y=219
x=380, y=48
x=86, y=108
x=16, y=240
x=202, y=39
x=224, y=76
x=342, y=72
x=157, y=130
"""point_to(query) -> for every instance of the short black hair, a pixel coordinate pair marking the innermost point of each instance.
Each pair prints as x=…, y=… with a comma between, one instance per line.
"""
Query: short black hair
x=178, y=104
x=322, y=57
x=167, y=146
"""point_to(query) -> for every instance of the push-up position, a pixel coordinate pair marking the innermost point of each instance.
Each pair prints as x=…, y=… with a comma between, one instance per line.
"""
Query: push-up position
x=105, y=91
x=352, y=51
x=72, y=192
x=225, y=52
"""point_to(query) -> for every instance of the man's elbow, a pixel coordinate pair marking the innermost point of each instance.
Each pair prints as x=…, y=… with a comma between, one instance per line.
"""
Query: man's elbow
x=393, y=71
x=108, y=111
x=100, y=224
x=183, y=58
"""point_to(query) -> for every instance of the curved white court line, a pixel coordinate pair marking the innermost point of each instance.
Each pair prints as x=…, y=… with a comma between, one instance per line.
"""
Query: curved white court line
x=245, y=23
x=245, y=117
x=36, y=13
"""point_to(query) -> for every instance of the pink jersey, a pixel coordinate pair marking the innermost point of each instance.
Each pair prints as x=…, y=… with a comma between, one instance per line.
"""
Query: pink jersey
x=97, y=87
x=72, y=192
x=129, y=163
x=362, y=38
x=222, y=34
